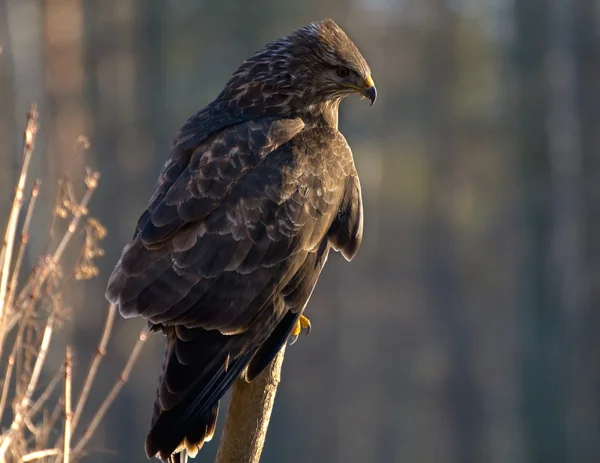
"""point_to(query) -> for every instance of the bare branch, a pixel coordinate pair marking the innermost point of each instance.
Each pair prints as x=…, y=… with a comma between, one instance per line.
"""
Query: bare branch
x=34, y=285
x=10, y=365
x=40, y=454
x=91, y=374
x=32, y=310
x=53, y=419
x=12, y=288
x=35, y=375
x=9, y=237
x=44, y=396
x=248, y=416
x=91, y=182
x=68, y=412
x=89, y=432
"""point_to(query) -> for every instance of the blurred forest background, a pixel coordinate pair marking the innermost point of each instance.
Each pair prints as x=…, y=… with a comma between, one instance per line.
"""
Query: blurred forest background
x=466, y=330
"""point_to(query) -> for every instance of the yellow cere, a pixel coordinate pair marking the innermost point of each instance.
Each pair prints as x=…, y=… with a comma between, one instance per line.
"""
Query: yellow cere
x=369, y=82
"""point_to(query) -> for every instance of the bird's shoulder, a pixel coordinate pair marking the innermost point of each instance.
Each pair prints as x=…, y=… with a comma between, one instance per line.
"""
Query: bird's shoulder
x=324, y=136
x=196, y=178
x=337, y=172
x=326, y=147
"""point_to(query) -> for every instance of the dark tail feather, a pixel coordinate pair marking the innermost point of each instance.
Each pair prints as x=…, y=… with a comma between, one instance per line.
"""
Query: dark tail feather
x=195, y=438
x=271, y=347
x=180, y=457
x=194, y=419
x=200, y=366
x=203, y=433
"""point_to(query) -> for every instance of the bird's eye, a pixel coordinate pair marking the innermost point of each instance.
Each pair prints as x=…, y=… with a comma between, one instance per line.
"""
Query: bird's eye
x=343, y=72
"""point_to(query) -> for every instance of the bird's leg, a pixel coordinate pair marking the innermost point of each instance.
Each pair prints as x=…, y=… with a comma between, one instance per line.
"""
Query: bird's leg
x=302, y=323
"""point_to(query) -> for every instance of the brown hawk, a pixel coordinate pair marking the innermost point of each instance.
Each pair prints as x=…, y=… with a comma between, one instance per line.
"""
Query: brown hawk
x=259, y=186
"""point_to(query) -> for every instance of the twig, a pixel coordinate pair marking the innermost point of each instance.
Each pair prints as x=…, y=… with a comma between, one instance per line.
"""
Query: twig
x=53, y=419
x=9, y=237
x=44, y=396
x=12, y=358
x=24, y=316
x=23, y=308
x=91, y=374
x=34, y=286
x=10, y=365
x=80, y=212
x=89, y=432
x=40, y=454
x=35, y=375
x=12, y=287
x=248, y=416
x=68, y=412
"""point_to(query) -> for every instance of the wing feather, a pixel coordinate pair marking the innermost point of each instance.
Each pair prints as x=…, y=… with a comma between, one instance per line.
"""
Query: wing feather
x=346, y=231
x=226, y=249
x=282, y=199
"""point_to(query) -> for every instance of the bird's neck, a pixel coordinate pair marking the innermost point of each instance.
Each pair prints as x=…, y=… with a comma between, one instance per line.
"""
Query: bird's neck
x=261, y=99
x=323, y=114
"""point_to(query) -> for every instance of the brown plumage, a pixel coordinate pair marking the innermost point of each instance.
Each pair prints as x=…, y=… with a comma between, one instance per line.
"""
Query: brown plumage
x=260, y=185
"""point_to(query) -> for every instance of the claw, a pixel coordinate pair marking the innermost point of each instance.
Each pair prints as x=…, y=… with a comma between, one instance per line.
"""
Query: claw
x=305, y=323
x=302, y=323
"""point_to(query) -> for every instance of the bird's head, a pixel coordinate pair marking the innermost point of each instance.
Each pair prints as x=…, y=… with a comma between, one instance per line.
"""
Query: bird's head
x=314, y=66
x=326, y=62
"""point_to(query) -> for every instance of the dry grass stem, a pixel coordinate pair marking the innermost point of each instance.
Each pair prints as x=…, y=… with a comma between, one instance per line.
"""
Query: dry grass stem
x=123, y=377
x=33, y=308
x=40, y=454
x=9, y=237
x=52, y=262
x=53, y=419
x=7, y=379
x=68, y=412
x=12, y=289
x=44, y=396
x=22, y=406
x=91, y=374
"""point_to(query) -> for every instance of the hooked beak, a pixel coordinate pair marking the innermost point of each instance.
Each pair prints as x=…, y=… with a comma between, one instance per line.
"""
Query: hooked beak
x=369, y=89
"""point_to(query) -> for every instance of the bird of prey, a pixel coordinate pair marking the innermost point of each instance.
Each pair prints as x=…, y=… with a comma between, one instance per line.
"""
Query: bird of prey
x=260, y=185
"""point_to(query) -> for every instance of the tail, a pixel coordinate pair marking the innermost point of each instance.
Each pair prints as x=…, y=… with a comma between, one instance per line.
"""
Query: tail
x=180, y=457
x=197, y=371
x=198, y=368
x=195, y=438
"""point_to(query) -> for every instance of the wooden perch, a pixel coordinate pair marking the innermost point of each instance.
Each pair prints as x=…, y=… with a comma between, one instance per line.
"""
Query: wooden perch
x=248, y=416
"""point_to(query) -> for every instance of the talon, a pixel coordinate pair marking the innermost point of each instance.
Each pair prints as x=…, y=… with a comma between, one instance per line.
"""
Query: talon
x=305, y=323
x=302, y=323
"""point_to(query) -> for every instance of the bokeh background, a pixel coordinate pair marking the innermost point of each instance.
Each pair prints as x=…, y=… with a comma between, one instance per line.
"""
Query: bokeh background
x=466, y=330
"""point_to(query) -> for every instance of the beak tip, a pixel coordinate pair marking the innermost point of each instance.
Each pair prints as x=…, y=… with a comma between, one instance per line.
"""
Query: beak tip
x=371, y=94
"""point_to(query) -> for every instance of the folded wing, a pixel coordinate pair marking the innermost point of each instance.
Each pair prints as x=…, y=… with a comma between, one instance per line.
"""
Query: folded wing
x=226, y=256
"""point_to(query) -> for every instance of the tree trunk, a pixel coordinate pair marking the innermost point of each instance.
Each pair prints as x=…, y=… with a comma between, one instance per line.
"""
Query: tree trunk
x=460, y=391
x=542, y=329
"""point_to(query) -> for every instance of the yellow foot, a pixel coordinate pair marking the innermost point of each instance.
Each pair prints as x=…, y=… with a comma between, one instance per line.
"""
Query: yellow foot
x=302, y=323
